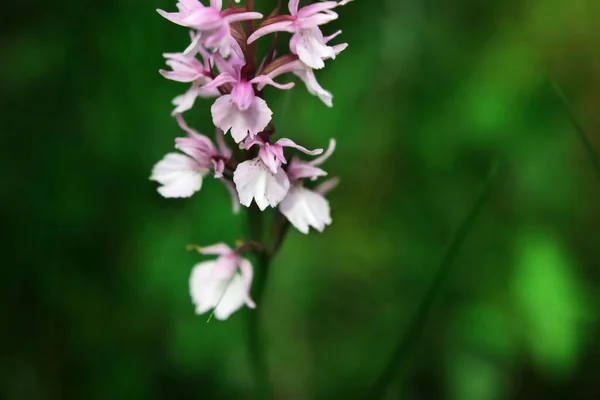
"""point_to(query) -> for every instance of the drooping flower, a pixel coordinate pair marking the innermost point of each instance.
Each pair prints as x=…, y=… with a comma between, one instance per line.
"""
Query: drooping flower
x=272, y=153
x=181, y=175
x=307, y=40
x=211, y=22
x=303, y=207
x=293, y=64
x=254, y=181
x=222, y=285
x=241, y=112
x=185, y=67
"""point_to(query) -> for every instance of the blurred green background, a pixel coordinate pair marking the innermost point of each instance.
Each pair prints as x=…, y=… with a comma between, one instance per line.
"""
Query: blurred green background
x=428, y=94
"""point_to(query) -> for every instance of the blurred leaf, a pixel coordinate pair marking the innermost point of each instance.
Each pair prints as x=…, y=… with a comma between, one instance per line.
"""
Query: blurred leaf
x=550, y=296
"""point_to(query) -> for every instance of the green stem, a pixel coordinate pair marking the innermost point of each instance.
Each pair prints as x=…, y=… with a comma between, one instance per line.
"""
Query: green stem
x=417, y=324
x=587, y=144
x=256, y=346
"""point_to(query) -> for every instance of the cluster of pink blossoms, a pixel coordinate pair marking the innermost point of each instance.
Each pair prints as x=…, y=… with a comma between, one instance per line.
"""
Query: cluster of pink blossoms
x=221, y=63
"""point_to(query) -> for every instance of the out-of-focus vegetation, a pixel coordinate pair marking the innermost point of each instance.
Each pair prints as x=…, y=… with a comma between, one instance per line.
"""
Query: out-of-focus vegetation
x=427, y=96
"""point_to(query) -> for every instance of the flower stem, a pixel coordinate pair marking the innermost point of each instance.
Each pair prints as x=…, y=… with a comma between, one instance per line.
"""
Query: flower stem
x=587, y=144
x=417, y=324
x=256, y=347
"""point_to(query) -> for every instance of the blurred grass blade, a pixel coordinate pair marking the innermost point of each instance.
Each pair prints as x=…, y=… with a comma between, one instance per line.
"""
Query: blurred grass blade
x=587, y=144
x=417, y=324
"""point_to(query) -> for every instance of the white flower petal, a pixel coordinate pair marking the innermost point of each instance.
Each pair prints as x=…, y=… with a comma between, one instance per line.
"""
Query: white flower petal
x=305, y=208
x=311, y=48
x=254, y=180
x=233, y=297
x=185, y=101
x=179, y=176
x=227, y=116
x=204, y=289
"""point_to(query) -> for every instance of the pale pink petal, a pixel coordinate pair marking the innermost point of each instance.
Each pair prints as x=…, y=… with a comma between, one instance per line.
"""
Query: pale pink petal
x=254, y=181
x=195, y=46
x=184, y=69
x=328, y=153
x=232, y=299
x=247, y=274
x=205, y=19
x=284, y=142
x=328, y=38
x=222, y=79
x=263, y=80
x=219, y=249
x=316, y=20
x=310, y=48
x=217, y=4
x=282, y=26
x=315, y=8
x=185, y=101
x=293, y=6
x=242, y=95
x=269, y=158
x=244, y=16
x=195, y=145
x=327, y=186
x=235, y=201
x=223, y=148
x=174, y=17
x=338, y=48
x=305, y=208
x=307, y=75
x=179, y=176
x=285, y=68
x=302, y=170
x=218, y=167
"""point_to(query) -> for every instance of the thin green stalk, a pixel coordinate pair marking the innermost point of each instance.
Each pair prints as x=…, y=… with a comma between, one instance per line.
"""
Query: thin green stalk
x=587, y=144
x=256, y=347
x=417, y=324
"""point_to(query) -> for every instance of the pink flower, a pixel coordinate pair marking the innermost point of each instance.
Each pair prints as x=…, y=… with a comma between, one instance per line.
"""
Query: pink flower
x=241, y=111
x=307, y=40
x=255, y=181
x=272, y=153
x=298, y=169
x=222, y=284
x=187, y=68
x=212, y=22
x=181, y=175
x=307, y=74
x=303, y=207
